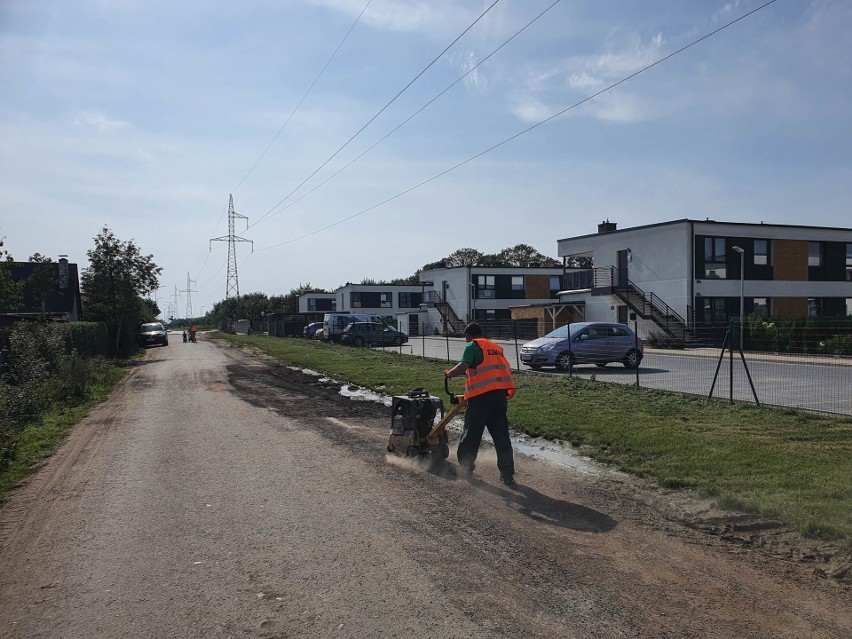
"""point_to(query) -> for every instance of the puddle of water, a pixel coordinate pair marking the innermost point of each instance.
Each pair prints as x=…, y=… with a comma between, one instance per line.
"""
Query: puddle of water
x=364, y=395
x=557, y=453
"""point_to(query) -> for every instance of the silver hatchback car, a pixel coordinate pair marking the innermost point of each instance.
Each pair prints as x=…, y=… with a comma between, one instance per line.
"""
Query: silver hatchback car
x=584, y=343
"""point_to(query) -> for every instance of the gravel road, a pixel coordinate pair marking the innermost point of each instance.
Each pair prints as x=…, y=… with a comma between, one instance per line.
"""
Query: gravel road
x=217, y=494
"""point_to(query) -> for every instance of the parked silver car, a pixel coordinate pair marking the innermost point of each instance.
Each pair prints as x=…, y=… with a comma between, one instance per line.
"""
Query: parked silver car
x=584, y=343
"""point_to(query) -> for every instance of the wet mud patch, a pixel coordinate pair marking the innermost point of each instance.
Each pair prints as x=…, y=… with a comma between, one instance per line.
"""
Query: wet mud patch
x=293, y=393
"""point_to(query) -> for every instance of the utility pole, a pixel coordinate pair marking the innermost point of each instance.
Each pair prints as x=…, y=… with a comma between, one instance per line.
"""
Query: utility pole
x=176, y=299
x=233, y=284
x=188, y=290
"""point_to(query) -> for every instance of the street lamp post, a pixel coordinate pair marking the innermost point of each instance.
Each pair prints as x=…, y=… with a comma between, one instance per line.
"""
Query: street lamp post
x=742, y=288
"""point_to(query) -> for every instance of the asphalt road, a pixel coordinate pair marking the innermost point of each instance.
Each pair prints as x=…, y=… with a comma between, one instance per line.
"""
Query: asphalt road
x=815, y=383
x=218, y=495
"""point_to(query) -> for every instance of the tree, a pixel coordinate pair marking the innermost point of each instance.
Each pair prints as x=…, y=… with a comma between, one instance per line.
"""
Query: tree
x=43, y=280
x=525, y=255
x=11, y=292
x=114, y=284
x=463, y=257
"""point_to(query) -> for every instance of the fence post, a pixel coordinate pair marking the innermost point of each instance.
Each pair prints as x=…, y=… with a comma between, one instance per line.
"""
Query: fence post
x=517, y=355
x=636, y=347
x=731, y=371
x=447, y=336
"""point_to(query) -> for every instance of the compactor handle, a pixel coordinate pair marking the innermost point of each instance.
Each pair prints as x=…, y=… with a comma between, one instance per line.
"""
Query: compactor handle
x=453, y=398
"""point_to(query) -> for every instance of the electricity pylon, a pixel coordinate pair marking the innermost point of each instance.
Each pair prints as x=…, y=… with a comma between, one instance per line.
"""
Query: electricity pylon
x=233, y=283
x=189, y=290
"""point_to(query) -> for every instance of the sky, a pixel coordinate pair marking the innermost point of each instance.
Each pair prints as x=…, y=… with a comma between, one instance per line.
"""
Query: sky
x=146, y=116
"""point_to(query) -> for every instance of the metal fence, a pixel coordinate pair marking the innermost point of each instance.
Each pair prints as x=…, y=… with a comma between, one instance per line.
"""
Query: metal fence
x=792, y=365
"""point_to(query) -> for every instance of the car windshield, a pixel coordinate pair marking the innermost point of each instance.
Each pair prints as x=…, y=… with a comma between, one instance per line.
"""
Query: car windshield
x=562, y=332
x=147, y=328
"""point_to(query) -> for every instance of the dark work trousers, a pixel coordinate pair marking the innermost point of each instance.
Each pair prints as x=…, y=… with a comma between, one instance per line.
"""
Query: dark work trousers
x=487, y=410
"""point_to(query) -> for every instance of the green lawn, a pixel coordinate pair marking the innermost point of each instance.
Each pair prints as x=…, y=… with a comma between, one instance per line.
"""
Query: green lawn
x=787, y=464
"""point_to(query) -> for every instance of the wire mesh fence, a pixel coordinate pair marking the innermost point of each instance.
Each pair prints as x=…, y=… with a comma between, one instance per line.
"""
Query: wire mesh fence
x=805, y=365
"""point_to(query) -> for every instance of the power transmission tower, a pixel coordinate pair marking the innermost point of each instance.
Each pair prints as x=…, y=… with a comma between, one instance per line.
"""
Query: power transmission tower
x=233, y=285
x=189, y=290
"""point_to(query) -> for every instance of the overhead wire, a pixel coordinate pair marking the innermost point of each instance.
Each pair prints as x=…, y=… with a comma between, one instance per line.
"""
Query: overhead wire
x=310, y=88
x=382, y=110
x=284, y=126
x=526, y=130
x=418, y=112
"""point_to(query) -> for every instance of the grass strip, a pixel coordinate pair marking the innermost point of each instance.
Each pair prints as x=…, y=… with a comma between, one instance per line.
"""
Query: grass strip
x=791, y=465
x=37, y=439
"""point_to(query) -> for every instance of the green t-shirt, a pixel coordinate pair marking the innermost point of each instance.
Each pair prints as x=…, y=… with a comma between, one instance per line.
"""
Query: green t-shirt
x=472, y=354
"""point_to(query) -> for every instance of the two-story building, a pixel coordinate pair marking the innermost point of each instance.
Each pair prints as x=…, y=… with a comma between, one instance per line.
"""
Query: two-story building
x=317, y=303
x=679, y=274
x=458, y=295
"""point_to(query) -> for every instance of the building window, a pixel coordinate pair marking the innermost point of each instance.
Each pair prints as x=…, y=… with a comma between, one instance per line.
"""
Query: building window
x=715, y=310
x=485, y=287
x=555, y=285
x=410, y=300
x=321, y=304
x=761, y=252
x=815, y=307
x=385, y=300
x=356, y=300
x=849, y=263
x=814, y=253
x=849, y=306
x=517, y=282
x=761, y=307
x=715, y=261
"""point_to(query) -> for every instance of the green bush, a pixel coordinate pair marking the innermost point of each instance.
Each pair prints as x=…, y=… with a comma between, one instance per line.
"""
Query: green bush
x=837, y=345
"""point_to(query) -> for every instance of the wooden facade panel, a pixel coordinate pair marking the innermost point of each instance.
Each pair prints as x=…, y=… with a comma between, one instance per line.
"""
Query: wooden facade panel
x=537, y=287
x=790, y=260
x=790, y=307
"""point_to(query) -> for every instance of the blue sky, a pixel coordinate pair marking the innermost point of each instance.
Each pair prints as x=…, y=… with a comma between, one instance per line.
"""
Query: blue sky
x=145, y=116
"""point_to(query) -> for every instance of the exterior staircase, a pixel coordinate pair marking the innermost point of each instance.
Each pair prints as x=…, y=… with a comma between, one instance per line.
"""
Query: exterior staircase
x=453, y=325
x=608, y=280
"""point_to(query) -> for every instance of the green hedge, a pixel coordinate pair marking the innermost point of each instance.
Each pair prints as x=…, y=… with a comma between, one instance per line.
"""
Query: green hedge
x=89, y=339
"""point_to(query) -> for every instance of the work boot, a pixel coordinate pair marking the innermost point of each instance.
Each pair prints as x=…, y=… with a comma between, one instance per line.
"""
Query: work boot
x=508, y=480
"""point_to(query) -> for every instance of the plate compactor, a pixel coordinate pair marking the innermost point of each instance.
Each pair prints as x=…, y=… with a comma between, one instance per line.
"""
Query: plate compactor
x=413, y=428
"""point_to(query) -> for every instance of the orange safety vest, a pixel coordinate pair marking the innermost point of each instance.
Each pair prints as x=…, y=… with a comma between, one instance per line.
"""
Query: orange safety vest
x=493, y=373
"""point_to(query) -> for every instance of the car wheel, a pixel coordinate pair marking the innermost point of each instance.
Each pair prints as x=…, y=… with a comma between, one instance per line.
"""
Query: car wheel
x=358, y=341
x=166, y=343
x=632, y=360
x=564, y=362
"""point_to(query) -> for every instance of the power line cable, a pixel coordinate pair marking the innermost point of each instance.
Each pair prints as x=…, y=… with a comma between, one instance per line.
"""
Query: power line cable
x=418, y=112
x=382, y=110
x=283, y=126
x=310, y=88
x=525, y=131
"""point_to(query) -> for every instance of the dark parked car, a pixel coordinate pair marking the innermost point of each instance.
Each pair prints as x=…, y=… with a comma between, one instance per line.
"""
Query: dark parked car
x=584, y=343
x=372, y=334
x=152, y=334
x=311, y=328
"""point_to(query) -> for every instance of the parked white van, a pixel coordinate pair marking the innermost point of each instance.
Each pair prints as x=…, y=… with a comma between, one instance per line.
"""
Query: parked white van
x=334, y=323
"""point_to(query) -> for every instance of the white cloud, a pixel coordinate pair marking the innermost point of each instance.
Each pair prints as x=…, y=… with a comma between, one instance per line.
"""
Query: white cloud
x=100, y=122
x=405, y=15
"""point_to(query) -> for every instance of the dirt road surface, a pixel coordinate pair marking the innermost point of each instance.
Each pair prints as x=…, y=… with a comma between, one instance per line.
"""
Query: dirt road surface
x=217, y=494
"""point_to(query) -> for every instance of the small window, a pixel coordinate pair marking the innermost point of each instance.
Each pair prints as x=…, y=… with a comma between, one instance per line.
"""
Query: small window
x=814, y=253
x=556, y=282
x=715, y=309
x=815, y=307
x=761, y=307
x=848, y=266
x=761, y=252
x=849, y=306
x=490, y=314
x=517, y=282
x=385, y=300
x=485, y=287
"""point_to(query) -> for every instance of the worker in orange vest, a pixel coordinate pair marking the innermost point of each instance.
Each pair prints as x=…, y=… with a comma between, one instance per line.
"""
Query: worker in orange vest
x=488, y=387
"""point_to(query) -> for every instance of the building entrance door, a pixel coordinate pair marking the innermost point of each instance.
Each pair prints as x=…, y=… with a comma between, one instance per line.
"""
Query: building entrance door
x=623, y=277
